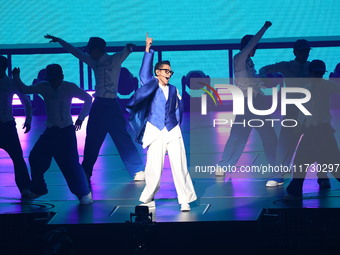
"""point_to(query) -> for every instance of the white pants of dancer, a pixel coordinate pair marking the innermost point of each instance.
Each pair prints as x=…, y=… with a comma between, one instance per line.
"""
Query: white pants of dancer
x=154, y=167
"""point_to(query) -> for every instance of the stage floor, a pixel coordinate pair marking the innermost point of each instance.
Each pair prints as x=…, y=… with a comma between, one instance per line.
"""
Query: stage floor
x=115, y=194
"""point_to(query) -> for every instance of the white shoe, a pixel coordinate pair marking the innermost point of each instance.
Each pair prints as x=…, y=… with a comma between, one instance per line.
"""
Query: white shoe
x=185, y=207
x=139, y=176
x=272, y=183
x=219, y=173
x=151, y=204
x=86, y=200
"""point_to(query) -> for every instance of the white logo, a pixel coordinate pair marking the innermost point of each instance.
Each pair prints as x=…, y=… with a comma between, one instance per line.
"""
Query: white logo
x=239, y=98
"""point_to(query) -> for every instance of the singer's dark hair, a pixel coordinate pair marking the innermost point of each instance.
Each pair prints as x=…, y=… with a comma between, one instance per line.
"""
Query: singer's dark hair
x=160, y=63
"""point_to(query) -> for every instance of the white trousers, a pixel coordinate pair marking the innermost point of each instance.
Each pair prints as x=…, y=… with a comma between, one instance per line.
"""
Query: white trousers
x=178, y=162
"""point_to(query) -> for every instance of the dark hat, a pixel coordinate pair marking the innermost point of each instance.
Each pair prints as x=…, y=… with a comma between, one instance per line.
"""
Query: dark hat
x=317, y=66
x=96, y=42
x=301, y=44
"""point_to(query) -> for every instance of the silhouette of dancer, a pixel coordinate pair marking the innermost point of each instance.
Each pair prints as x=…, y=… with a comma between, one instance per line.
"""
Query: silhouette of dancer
x=106, y=115
x=9, y=139
x=59, y=139
x=289, y=136
x=245, y=77
x=318, y=144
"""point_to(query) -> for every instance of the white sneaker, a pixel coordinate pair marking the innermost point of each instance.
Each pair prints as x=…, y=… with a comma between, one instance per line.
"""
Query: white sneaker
x=139, y=176
x=185, y=207
x=272, y=183
x=219, y=173
x=86, y=200
x=151, y=204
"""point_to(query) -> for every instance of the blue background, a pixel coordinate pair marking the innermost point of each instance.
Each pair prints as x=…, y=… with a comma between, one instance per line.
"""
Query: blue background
x=75, y=21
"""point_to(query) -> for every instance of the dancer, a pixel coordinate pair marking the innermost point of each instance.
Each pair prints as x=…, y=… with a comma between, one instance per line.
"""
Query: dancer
x=318, y=143
x=336, y=73
x=245, y=77
x=157, y=103
x=9, y=139
x=106, y=115
x=59, y=139
x=289, y=136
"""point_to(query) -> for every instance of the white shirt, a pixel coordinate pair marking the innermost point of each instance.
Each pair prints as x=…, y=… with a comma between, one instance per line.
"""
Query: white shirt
x=7, y=90
x=289, y=69
x=293, y=73
x=244, y=70
x=58, y=101
x=151, y=132
x=106, y=69
x=165, y=90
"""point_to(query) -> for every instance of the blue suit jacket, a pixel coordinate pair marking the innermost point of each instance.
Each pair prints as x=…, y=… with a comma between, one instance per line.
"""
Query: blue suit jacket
x=139, y=104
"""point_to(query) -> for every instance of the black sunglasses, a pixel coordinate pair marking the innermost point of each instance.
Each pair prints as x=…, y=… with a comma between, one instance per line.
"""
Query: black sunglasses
x=168, y=71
